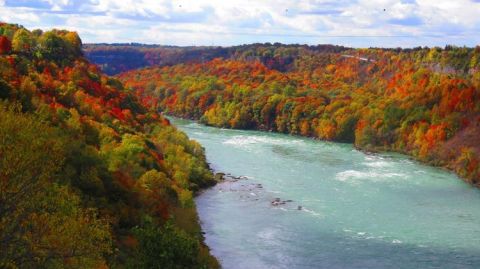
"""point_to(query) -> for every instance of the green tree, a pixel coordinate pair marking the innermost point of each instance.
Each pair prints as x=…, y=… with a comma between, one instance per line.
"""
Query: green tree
x=164, y=247
x=42, y=223
x=52, y=47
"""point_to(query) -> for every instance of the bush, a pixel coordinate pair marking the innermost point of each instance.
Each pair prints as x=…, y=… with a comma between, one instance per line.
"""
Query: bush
x=164, y=247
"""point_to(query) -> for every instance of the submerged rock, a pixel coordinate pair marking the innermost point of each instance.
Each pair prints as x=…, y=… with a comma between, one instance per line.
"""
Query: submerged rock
x=219, y=176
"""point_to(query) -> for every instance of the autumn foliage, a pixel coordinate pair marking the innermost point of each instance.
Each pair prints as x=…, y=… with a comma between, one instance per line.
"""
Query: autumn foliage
x=422, y=102
x=5, y=45
x=117, y=58
x=89, y=176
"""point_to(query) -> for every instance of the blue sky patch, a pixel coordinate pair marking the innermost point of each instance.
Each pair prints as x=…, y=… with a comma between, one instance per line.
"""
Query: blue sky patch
x=357, y=23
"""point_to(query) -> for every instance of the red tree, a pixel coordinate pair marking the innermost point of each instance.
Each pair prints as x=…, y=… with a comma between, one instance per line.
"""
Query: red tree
x=5, y=45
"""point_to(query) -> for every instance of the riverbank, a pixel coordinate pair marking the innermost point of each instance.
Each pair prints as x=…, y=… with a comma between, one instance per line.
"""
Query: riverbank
x=392, y=104
x=438, y=162
x=358, y=210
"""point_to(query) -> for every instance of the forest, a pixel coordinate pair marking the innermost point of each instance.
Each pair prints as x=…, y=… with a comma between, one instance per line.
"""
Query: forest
x=117, y=58
x=93, y=175
x=423, y=102
x=90, y=177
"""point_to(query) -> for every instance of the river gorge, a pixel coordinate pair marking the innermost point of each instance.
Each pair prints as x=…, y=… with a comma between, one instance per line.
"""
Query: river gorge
x=294, y=202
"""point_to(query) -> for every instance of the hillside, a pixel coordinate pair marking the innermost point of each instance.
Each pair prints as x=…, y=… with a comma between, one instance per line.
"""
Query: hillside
x=422, y=102
x=118, y=58
x=89, y=176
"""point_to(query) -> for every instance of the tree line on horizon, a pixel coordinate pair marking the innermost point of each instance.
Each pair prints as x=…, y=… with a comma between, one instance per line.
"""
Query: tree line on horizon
x=116, y=58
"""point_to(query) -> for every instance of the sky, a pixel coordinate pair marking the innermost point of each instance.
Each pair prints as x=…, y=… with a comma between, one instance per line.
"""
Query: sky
x=356, y=23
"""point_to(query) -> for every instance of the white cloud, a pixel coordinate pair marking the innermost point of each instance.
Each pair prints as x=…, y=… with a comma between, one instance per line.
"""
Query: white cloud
x=203, y=22
x=26, y=16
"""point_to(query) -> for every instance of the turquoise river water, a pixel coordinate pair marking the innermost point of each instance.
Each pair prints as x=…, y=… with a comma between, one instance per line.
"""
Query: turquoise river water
x=348, y=209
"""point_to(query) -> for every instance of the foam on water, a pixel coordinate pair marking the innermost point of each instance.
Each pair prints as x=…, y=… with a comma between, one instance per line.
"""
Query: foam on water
x=355, y=176
x=358, y=210
x=312, y=212
x=244, y=140
x=378, y=164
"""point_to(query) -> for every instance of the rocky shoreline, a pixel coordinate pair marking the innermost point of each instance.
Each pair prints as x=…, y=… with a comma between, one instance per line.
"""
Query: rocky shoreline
x=222, y=177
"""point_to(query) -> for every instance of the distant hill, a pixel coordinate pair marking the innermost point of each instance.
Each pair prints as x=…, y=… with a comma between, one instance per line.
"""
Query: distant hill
x=118, y=58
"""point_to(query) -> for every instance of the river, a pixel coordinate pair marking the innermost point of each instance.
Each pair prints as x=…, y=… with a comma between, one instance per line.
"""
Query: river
x=348, y=210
